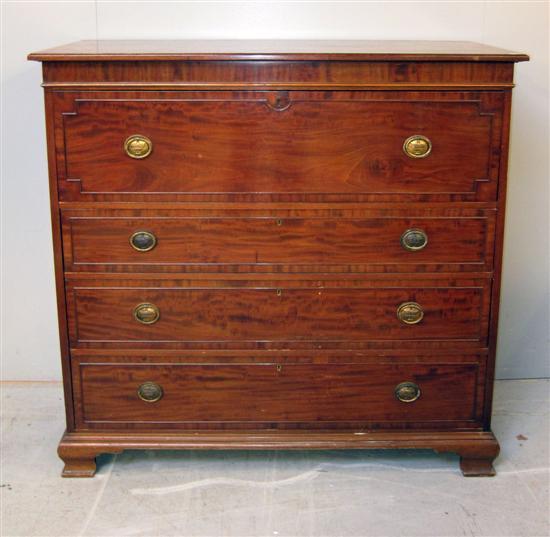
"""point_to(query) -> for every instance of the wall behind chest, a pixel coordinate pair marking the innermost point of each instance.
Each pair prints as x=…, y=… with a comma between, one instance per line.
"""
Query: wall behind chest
x=29, y=327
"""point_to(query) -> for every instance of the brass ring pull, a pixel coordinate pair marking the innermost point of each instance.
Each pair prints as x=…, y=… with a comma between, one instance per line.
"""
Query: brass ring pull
x=407, y=392
x=410, y=313
x=138, y=146
x=143, y=241
x=414, y=240
x=417, y=146
x=150, y=392
x=146, y=313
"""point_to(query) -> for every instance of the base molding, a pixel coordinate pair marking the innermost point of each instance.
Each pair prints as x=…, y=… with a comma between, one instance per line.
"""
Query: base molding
x=477, y=449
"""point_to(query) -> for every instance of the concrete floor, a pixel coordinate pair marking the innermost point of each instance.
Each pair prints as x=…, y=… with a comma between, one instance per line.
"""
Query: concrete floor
x=337, y=493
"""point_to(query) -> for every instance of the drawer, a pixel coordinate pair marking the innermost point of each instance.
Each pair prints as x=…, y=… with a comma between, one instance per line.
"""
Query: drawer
x=312, y=242
x=279, y=145
x=285, y=312
x=277, y=395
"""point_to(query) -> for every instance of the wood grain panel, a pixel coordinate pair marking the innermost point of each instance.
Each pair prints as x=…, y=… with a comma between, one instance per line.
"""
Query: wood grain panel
x=274, y=243
x=238, y=75
x=232, y=144
x=259, y=313
x=264, y=393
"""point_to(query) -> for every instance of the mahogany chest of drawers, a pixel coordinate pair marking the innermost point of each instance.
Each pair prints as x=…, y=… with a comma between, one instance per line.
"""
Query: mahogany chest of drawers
x=285, y=245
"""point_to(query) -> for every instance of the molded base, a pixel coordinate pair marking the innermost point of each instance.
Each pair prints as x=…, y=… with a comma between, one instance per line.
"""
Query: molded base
x=477, y=450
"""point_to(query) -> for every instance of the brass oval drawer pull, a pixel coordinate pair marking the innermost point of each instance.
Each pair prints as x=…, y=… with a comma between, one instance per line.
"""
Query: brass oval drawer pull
x=138, y=146
x=410, y=313
x=414, y=240
x=143, y=241
x=146, y=313
x=417, y=146
x=407, y=392
x=150, y=392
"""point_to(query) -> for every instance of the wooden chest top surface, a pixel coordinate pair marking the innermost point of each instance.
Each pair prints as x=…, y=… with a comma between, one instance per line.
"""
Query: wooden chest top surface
x=311, y=50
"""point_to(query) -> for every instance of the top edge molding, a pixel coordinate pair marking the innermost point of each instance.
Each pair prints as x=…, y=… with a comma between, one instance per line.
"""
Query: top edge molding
x=275, y=50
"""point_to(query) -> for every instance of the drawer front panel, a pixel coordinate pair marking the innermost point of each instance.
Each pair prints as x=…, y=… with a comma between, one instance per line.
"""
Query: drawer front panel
x=279, y=143
x=270, y=243
x=106, y=315
x=249, y=393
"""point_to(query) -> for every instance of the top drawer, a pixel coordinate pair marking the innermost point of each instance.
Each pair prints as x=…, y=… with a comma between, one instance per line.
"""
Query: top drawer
x=278, y=146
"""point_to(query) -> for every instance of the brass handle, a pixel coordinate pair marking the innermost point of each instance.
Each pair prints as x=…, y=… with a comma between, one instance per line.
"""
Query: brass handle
x=407, y=392
x=417, y=146
x=146, y=313
x=138, y=146
x=410, y=313
x=143, y=241
x=150, y=392
x=414, y=240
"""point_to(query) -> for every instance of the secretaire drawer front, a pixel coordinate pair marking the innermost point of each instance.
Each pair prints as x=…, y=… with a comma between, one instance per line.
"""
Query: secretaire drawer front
x=235, y=144
x=266, y=243
x=259, y=393
x=162, y=313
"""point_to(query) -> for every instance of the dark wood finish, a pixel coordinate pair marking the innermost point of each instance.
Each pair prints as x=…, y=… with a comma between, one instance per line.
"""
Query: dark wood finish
x=278, y=191
x=499, y=244
x=78, y=450
x=344, y=144
x=277, y=75
x=304, y=241
x=473, y=467
x=312, y=50
x=288, y=395
x=59, y=265
x=301, y=311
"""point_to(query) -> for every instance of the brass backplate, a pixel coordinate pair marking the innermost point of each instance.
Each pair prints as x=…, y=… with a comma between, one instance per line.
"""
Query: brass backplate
x=150, y=392
x=146, y=313
x=407, y=392
x=143, y=241
x=138, y=146
x=414, y=240
x=410, y=313
x=417, y=146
